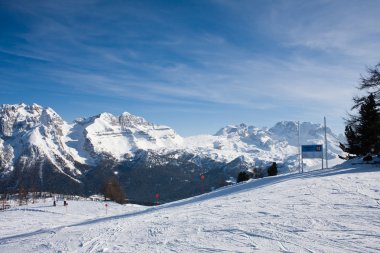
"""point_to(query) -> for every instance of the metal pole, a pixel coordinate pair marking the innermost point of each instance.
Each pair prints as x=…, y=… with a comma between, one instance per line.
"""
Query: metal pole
x=299, y=148
x=327, y=165
x=322, y=157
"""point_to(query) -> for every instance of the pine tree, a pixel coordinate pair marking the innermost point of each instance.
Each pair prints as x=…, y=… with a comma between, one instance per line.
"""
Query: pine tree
x=371, y=84
x=368, y=128
x=243, y=176
x=272, y=170
x=362, y=129
x=353, y=141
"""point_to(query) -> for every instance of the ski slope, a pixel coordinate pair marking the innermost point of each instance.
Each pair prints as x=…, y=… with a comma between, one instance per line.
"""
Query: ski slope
x=334, y=210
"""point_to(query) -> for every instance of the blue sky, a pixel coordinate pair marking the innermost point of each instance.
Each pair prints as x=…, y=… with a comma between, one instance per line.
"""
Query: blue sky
x=193, y=65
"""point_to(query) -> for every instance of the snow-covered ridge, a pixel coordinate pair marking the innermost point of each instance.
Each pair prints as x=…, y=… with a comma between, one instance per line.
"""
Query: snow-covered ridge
x=259, y=146
x=122, y=136
x=87, y=140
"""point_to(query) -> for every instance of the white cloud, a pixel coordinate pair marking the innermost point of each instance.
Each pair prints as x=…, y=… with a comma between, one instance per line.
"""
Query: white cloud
x=346, y=27
x=315, y=53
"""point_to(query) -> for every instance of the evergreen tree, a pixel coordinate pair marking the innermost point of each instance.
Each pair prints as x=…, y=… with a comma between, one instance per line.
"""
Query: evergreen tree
x=243, y=176
x=362, y=129
x=368, y=127
x=272, y=170
x=371, y=84
x=353, y=141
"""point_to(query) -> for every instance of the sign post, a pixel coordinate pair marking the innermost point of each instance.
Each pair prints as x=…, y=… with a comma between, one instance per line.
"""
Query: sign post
x=299, y=147
x=327, y=164
x=312, y=151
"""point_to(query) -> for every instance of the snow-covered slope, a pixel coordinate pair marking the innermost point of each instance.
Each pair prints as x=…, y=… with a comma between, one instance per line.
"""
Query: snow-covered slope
x=334, y=210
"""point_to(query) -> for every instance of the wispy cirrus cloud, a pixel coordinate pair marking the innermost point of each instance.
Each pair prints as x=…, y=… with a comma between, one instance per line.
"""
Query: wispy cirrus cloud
x=260, y=56
x=346, y=27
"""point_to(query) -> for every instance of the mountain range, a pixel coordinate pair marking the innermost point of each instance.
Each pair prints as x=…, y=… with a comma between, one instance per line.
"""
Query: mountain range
x=39, y=150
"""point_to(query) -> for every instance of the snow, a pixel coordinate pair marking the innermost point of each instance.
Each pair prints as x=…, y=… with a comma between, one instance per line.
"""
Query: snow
x=35, y=126
x=6, y=156
x=332, y=210
x=121, y=136
x=47, y=145
x=73, y=142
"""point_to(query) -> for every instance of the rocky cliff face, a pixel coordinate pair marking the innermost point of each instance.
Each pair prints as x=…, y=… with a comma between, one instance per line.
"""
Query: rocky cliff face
x=39, y=149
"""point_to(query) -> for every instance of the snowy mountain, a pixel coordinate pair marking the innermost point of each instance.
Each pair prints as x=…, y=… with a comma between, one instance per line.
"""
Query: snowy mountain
x=31, y=136
x=118, y=137
x=39, y=149
x=262, y=146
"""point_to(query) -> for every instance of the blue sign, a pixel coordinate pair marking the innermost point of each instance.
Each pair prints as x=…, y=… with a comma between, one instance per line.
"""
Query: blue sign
x=312, y=151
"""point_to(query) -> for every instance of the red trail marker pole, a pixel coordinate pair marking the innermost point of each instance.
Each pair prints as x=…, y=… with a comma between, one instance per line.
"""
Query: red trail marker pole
x=157, y=198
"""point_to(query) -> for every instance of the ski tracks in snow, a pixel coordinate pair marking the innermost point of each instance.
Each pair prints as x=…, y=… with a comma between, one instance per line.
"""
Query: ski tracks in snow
x=308, y=214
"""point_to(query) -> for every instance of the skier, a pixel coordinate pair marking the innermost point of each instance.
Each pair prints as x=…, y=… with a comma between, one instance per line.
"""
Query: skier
x=54, y=201
x=65, y=202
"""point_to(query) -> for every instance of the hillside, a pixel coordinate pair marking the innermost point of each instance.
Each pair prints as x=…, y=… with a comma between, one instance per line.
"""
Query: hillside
x=334, y=210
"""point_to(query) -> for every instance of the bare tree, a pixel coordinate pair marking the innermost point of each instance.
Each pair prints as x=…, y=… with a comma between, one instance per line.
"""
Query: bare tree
x=22, y=196
x=112, y=190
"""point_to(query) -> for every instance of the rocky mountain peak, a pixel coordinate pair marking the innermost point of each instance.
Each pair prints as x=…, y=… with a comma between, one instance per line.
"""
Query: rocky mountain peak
x=129, y=120
x=234, y=130
x=17, y=118
x=284, y=127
